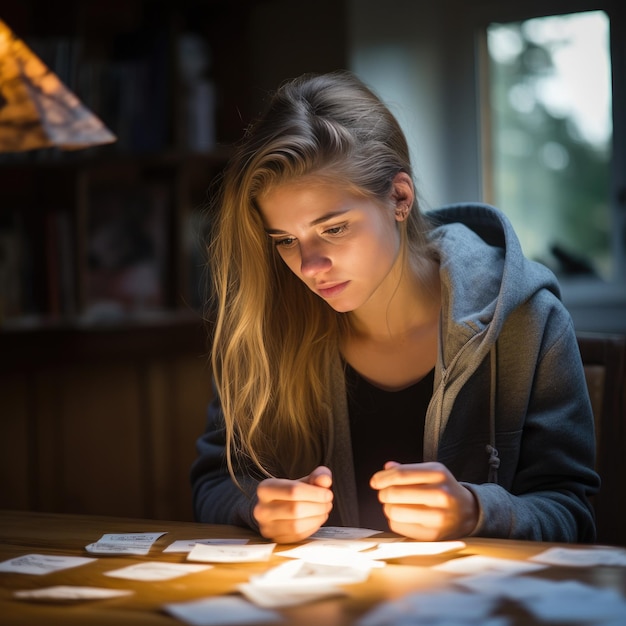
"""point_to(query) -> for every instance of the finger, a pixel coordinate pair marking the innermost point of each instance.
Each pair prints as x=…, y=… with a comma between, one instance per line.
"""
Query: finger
x=422, y=516
x=417, y=532
x=292, y=531
x=417, y=495
x=410, y=474
x=290, y=511
x=292, y=490
x=391, y=464
x=320, y=477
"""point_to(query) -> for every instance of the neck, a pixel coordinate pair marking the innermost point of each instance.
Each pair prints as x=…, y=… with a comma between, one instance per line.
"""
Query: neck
x=408, y=308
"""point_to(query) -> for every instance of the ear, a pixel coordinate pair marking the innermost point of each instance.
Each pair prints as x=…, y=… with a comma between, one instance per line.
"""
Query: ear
x=402, y=195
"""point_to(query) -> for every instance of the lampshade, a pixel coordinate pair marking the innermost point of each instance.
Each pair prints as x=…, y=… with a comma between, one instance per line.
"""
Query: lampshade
x=36, y=109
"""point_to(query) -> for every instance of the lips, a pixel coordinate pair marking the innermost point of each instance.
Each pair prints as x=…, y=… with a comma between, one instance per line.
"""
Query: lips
x=332, y=290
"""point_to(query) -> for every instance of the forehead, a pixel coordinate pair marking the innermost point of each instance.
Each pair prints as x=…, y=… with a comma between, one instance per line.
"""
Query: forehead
x=310, y=190
x=304, y=203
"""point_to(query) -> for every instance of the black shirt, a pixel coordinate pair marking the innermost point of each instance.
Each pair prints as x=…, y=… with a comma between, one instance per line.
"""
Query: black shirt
x=384, y=426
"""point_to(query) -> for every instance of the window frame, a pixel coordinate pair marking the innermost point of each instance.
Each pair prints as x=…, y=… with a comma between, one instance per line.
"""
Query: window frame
x=595, y=305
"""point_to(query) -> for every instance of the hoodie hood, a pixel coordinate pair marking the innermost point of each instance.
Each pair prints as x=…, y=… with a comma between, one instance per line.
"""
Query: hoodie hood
x=484, y=273
x=484, y=278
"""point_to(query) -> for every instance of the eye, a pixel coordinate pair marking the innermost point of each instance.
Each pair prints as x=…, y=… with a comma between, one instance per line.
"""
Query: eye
x=336, y=230
x=285, y=242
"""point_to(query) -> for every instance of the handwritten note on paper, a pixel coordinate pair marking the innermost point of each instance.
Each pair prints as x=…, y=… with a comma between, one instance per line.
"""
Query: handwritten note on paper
x=41, y=563
x=186, y=545
x=443, y=607
x=68, y=592
x=130, y=543
x=341, y=532
x=283, y=596
x=477, y=563
x=297, y=582
x=156, y=570
x=355, y=545
x=220, y=611
x=213, y=553
x=572, y=602
x=582, y=557
x=330, y=553
x=565, y=602
x=414, y=548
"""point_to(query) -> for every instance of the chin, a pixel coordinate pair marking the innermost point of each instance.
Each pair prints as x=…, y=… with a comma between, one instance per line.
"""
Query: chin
x=339, y=306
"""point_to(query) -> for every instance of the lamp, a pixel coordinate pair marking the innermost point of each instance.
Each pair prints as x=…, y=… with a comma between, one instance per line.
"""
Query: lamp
x=36, y=109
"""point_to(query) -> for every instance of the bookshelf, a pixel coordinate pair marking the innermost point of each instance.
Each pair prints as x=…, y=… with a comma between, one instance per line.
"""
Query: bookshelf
x=104, y=379
x=104, y=387
x=105, y=234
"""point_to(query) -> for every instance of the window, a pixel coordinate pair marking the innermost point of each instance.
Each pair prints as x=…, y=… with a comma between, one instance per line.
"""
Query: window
x=547, y=140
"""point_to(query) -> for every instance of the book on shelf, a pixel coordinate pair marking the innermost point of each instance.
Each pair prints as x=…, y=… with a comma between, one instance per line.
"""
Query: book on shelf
x=127, y=248
x=10, y=283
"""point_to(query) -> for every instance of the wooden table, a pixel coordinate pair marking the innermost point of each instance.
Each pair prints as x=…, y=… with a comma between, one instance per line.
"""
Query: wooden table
x=24, y=533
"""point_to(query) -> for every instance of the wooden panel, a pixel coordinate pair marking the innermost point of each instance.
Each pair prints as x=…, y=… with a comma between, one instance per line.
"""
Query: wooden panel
x=15, y=449
x=193, y=394
x=179, y=393
x=91, y=441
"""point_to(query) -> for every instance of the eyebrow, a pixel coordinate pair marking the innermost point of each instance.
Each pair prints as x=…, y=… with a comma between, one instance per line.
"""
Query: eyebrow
x=315, y=222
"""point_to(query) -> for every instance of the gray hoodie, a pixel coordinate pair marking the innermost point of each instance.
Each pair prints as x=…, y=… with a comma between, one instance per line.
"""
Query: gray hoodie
x=510, y=414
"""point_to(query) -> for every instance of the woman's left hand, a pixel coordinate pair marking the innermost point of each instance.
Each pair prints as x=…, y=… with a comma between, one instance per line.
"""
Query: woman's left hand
x=424, y=501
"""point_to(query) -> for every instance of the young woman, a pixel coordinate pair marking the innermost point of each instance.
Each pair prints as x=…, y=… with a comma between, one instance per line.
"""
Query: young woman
x=377, y=366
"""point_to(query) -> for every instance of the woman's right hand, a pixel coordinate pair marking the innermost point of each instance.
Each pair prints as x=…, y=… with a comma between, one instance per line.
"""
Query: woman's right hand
x=291, y=510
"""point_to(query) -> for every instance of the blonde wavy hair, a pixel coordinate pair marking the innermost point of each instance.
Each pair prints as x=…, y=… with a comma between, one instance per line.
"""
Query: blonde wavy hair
x=272, y=340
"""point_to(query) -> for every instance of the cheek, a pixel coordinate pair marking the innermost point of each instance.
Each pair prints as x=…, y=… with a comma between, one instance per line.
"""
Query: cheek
x=291, y=259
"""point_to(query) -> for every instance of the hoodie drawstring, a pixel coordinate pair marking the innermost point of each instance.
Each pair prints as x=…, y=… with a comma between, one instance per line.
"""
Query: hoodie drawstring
x=494, y=459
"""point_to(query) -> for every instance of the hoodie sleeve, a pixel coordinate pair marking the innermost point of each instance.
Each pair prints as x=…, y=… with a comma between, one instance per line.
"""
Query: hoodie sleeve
x=547, y=495
x=217, y=499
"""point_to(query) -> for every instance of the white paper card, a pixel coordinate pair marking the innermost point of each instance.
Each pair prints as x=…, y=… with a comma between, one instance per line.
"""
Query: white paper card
x=445, y=607
x=572, y=602
x=220, y=611
x=341, y=532
x=67, y=592
x=212, y=553
x=281, y=596
x=349, y=545
x=41, y=563
x=476, y=563
x=302, y=573
x=130, y=543
x=186, y=545
x=331, y=554
x=156, y=570
x=414, y=548
x=582, y=557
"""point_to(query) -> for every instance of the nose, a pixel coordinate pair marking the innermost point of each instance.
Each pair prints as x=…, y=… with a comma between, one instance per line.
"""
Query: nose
x=313, y=260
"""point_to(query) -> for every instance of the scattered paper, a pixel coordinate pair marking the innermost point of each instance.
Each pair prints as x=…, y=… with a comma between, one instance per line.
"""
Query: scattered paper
x=343, y=532
x=350, y=545
x=582, y=557
x=476, y=563
x=66, y=592
x=565, y=602
x=500, y=584
x=220, y=611
x=331, y=553
x=572, y=602
x=130, y=543
x=282, y=596
x=223, y=553
x=443, y=607
x=296, y=582
x=41, y=563
x=186, y=545
x=414, y=548
x=156, y=570
x=301, y=573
